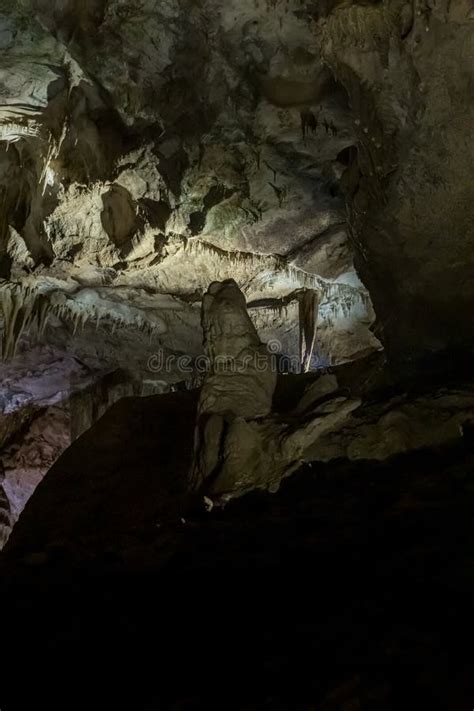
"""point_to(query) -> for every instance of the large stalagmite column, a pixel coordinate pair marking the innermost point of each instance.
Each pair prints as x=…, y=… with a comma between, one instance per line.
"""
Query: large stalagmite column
x=241, y=378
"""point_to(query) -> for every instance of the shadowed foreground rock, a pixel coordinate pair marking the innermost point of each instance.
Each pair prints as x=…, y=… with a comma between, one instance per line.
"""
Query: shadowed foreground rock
x=349, y=588
x=122, y=477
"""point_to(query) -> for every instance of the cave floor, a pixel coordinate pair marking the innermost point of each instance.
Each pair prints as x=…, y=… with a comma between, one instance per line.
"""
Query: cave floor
x=349, y=589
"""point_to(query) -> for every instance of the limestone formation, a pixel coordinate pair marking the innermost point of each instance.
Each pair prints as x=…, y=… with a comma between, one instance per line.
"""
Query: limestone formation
x=242, y=374
x=241, y=378
x=239, y=445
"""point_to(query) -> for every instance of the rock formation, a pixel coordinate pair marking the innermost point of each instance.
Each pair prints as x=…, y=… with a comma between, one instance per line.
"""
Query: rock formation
x=239, y=446
x=239, y=385
x=242, y=376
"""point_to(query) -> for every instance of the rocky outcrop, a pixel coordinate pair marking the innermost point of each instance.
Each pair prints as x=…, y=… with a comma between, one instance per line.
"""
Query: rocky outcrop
x=401, y=424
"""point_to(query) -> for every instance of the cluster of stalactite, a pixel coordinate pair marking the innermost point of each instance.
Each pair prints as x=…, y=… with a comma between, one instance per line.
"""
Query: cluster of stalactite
x=25, y=309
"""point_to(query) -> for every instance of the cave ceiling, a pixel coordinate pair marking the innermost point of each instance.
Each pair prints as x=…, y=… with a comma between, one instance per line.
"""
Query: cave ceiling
x=150, y=148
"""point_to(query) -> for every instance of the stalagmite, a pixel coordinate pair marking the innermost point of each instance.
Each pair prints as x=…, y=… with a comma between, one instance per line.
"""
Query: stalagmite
x=241, y=380
x=239, y=444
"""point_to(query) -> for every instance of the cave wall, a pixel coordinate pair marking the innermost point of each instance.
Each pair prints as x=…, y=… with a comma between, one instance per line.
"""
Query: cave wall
x=407, y=68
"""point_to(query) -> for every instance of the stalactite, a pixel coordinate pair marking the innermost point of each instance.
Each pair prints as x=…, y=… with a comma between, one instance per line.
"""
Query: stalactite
x=43, y=310
x=76, y=318
x=268, y=267
x=12, y=132
x=17, y=305
x=308, y=309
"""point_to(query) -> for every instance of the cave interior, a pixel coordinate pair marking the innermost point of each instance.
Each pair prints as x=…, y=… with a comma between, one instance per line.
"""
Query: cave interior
x=236, y=347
